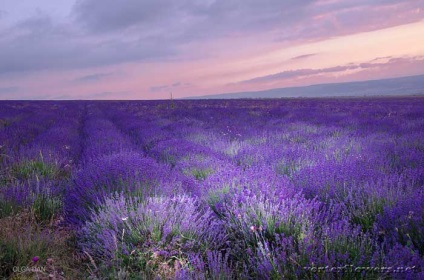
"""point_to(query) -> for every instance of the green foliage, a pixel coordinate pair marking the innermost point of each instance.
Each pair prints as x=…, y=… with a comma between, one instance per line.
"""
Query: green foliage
x=366, y=217
x=34, y=168
x=4, y=122
x=200, y=174
x=8, y=208
x=356, y=248
x=46, y=207
x=364, y=209
x=286, y=168
x=18, y=248
x=216, y=196
x=22, y=239
x=168, y=158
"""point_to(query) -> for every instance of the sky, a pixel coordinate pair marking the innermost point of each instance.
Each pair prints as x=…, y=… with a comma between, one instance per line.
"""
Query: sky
x=150, y=49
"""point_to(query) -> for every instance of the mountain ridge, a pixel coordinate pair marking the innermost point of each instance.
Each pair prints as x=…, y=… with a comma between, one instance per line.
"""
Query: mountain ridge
x=400, y=86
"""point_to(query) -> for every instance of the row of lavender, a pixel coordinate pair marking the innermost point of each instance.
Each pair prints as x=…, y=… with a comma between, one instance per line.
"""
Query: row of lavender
x=39, y=149
x=40, y=145
x=126, y=206
x=289, y=184
x=226, y=189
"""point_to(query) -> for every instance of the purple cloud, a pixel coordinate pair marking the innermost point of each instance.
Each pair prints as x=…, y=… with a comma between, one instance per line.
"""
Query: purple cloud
x=301, y=73
x=168, y=87
x=303, y=56
x=37, y=43
x=110, y=32
x=158, y=88
x=92, y=78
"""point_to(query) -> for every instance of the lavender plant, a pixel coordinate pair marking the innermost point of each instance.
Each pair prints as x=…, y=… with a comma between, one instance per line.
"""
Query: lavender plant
x=150, y=234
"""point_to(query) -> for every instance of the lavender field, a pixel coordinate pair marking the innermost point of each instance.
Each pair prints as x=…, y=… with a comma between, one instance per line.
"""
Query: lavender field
x=212, y=189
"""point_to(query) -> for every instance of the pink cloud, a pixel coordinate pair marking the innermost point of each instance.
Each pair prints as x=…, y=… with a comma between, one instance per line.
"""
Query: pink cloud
x=396, y=66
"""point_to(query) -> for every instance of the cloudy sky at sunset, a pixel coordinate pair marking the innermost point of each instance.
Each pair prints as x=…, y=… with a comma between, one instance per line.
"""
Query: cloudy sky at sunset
x=146, y=49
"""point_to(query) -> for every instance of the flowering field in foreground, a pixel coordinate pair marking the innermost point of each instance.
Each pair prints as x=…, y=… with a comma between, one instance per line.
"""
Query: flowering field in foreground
x=234, y=189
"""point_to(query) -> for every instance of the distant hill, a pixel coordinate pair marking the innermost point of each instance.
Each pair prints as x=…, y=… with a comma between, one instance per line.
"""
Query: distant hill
x=411, y=85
